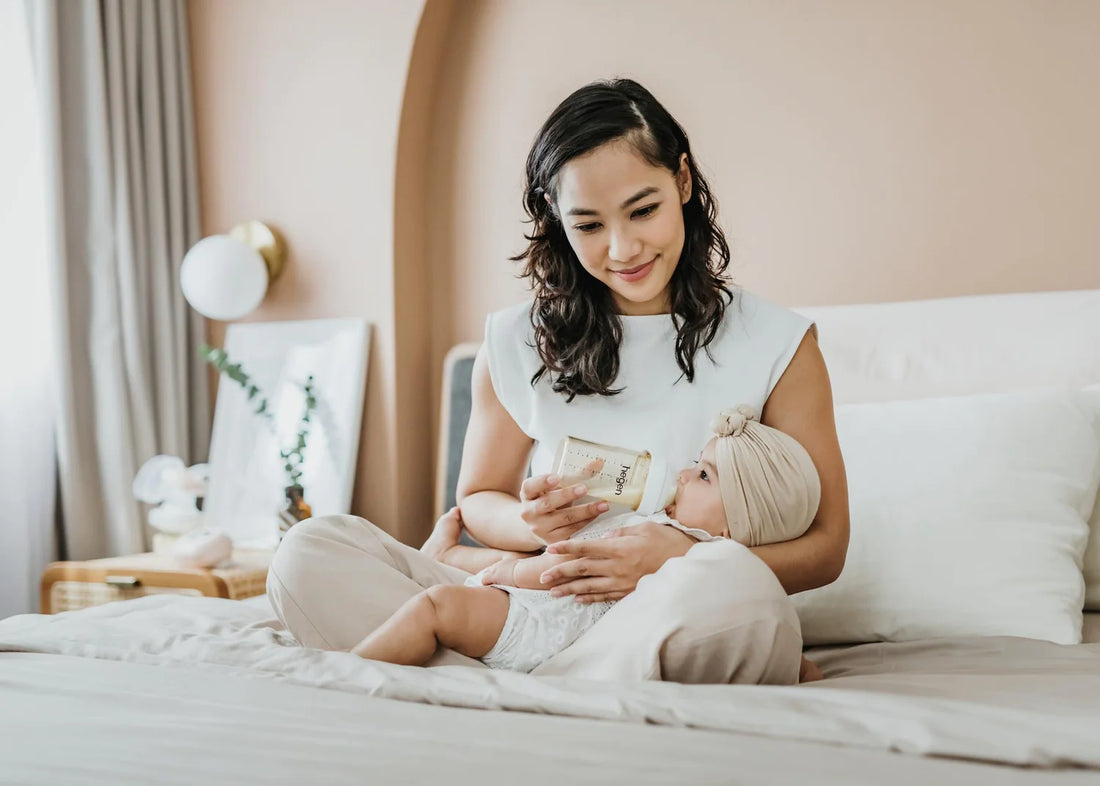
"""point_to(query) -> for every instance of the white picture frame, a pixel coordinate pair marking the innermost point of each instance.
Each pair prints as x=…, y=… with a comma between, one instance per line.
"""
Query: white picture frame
x=247, y=478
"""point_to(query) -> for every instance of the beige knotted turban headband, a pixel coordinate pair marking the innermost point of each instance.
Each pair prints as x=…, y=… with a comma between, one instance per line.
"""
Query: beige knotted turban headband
x=770, y=488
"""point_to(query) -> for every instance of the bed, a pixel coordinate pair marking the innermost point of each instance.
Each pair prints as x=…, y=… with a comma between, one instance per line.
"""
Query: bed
x=177, y=689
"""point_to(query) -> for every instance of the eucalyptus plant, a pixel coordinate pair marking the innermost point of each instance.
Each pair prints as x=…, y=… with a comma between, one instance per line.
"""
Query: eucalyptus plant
x=293, y=457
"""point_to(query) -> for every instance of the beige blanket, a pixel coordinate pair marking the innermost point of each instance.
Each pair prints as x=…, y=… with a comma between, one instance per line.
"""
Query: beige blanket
x=1004, y=700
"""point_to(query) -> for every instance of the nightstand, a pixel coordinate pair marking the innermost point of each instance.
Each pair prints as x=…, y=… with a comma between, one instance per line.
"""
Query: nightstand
x=76, y=585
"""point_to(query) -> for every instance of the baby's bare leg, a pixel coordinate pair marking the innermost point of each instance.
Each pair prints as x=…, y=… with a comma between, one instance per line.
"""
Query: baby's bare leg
x=466, y=619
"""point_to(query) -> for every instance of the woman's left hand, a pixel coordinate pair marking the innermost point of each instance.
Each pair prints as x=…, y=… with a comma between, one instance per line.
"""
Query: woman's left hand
x=609, y=568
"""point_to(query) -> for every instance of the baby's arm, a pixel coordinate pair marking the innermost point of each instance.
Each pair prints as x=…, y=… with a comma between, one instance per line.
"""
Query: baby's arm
x=443, y=546
x=474, y=558
x=525, y=572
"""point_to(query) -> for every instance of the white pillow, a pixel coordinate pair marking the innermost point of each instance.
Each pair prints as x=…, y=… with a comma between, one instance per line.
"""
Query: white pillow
x=968, y=517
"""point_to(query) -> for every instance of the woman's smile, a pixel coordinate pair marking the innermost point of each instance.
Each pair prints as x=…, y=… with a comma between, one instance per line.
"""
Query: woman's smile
x=636, y=273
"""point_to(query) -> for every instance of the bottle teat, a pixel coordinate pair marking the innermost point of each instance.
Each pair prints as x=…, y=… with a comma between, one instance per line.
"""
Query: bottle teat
x=660, y=488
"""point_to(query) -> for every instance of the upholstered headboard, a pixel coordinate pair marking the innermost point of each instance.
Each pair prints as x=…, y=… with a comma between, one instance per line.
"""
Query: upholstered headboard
x=455, y=403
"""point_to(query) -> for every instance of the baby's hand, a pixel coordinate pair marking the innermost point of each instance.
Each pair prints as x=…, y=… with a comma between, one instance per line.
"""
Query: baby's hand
x=444, y=536
x=503, y=572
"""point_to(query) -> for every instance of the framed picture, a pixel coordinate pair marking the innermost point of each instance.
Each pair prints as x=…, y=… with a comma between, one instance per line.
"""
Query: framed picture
x=247, y=474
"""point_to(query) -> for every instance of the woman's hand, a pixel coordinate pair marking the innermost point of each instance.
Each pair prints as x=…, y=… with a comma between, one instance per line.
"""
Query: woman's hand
x=549, y=512
x=609, y=568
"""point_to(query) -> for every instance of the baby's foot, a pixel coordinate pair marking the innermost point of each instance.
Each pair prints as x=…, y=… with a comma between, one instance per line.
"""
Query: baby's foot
x=809, y=671
x=445, y=535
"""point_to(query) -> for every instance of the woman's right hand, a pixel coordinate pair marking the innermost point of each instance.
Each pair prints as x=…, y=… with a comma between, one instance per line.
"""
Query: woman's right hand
x=548, y=511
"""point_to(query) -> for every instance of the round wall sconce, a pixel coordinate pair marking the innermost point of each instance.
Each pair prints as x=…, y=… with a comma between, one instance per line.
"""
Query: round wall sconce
x=225, y=277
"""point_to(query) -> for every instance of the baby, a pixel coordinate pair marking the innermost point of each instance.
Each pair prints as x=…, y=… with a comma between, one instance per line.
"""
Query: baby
x=752, y=483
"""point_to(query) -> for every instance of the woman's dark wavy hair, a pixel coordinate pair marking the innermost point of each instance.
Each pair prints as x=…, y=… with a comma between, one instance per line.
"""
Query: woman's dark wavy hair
x=577, y=329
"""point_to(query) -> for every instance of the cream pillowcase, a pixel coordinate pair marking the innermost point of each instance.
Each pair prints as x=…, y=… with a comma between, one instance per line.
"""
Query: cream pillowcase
x=969, y=516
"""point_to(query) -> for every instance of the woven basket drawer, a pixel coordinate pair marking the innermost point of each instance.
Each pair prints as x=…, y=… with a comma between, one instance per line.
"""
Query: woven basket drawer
x=67, y=586
x=72, y=595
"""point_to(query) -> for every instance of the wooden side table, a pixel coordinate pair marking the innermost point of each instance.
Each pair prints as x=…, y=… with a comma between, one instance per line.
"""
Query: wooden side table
x=67, y=586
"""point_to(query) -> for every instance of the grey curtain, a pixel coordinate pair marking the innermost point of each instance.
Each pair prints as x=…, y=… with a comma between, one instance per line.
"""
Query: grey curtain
x=114, y=78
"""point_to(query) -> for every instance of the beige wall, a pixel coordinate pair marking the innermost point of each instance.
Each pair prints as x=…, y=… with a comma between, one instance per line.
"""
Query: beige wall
x=861, y=151
x=298, y=106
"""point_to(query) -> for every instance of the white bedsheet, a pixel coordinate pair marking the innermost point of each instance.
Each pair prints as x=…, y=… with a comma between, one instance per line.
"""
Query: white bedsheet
x=1013, y=701
x=68, y=721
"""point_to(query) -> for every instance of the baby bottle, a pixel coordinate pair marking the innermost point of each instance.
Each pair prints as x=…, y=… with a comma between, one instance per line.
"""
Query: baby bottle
x=639, y=481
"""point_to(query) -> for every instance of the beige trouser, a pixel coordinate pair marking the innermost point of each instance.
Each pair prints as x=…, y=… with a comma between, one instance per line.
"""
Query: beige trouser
x=716, y=615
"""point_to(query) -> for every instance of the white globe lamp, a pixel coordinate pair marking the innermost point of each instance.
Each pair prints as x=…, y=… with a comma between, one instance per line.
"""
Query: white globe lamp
x=225, y=277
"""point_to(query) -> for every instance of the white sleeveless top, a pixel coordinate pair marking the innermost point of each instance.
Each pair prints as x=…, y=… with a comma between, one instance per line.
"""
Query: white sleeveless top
x=658, y=409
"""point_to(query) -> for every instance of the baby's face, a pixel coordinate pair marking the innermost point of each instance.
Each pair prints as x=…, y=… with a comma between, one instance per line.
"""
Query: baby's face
x=698, y=501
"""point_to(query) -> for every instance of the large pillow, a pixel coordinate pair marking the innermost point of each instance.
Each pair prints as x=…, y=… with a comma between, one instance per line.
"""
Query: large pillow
x=969, y=516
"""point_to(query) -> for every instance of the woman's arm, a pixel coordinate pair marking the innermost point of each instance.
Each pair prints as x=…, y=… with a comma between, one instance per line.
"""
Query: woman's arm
x=490, y=483
x=494, y=455
x=801, y=405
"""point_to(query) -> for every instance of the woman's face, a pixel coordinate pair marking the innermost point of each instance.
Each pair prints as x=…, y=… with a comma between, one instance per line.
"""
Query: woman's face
x=624, y=219
x=698, y=501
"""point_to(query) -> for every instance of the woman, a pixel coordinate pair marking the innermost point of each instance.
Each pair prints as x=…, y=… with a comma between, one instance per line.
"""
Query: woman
x=633, y=337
